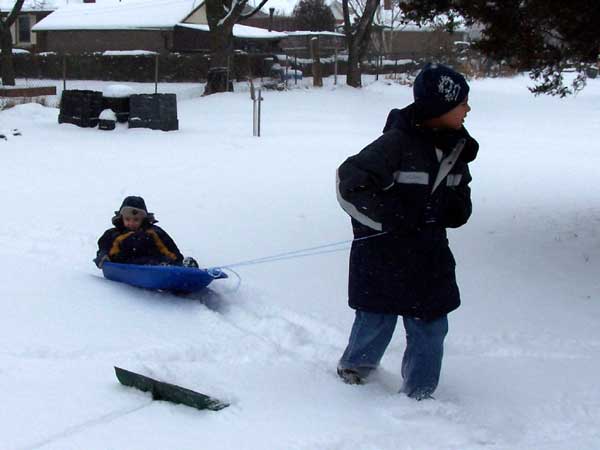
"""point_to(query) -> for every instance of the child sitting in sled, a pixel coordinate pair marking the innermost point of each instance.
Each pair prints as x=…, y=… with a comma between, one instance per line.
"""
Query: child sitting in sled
x=135, y=239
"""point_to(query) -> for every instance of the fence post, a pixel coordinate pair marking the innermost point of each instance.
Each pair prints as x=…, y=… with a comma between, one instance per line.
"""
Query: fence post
x=287, y=64
x=295, y=66
x=227, y=73
x=335, y=67
x=156, y=73
x=64, y=71
x=253, y=98
x=316, y=68
x=259, y=101
x=256, y=100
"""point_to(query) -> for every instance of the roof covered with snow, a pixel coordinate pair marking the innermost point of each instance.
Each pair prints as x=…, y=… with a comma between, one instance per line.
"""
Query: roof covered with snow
x=314, y=33
x=108, y=15
x=33, y=5
x=241, y=31
x=46, y=5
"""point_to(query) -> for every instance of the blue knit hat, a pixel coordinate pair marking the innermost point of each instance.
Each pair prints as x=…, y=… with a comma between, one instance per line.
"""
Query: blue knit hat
x=437, y=90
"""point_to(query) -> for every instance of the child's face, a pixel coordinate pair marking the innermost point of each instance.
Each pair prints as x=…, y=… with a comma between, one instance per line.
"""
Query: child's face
x=132, y=223
x=455, y=118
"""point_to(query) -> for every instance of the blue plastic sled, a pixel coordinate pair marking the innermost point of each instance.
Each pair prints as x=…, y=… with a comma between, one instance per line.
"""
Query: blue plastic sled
x=167, y=278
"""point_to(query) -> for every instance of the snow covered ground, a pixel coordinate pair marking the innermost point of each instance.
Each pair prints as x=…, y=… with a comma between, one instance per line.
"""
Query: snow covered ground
x=522, y=357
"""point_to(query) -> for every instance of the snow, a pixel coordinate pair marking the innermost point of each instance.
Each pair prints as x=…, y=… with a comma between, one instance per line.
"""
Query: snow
x=107, y=114
x=133, y=14
x=46, y=5
x=118, y=91
x=183, y=90
x=32, y=5
x=17, y=51
x=137, y=14
x=128, y=53
x=313, y=33
x=522, y=356
x=241, y=31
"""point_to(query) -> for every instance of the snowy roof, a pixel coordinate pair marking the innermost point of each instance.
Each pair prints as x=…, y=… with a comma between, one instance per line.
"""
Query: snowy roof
x=241, y=31
x=32, y=5
x=45, y=5
x=314, y=33
x=133, y=14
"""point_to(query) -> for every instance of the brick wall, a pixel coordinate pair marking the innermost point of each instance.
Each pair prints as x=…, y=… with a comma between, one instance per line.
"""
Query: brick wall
x=76, y=42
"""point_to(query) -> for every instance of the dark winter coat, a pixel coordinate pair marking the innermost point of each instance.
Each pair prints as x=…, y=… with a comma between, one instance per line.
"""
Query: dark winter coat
x=148, y=245
x=408, y=270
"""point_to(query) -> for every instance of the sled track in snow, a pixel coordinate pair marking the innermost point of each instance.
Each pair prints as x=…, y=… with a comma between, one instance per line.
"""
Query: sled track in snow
x=72, y=430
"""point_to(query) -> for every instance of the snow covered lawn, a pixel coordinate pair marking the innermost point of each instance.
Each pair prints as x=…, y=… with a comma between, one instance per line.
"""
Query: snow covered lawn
x=522, y=357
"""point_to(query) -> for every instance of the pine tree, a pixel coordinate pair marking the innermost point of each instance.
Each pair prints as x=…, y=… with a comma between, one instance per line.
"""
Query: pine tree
x=313, y=15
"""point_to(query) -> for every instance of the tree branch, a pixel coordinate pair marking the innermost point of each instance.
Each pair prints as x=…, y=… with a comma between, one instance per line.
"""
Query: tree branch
x=364, y=25
x=347, y=24
x=234, y=11
x=14, y=13
x=250, y=14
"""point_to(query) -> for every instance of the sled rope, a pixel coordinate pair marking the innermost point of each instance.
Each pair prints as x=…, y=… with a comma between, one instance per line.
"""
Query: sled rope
x=300, y=253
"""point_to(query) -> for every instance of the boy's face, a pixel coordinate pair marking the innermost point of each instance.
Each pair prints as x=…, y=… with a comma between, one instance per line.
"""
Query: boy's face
x=132, y=223
x=455, y=118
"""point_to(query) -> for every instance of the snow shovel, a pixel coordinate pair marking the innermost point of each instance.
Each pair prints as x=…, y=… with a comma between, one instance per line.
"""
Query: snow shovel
x=168, y=392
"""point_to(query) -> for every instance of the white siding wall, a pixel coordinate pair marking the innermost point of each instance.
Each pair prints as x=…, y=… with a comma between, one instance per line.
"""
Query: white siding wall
x=15, y=34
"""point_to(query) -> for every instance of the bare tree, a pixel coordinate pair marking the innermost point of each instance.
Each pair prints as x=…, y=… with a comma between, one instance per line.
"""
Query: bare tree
x=222, y=15
x=7, y=69
x=390, y=19
x=357, y=37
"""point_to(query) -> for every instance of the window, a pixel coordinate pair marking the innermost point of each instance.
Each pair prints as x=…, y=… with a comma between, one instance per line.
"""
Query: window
x=24, y=29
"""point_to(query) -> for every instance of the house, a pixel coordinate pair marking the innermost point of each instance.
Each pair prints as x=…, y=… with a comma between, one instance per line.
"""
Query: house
x=409, y=40
x=31, y=13
x=161, y=26
x=338, y=13
x=298, y=43
x=389, y=35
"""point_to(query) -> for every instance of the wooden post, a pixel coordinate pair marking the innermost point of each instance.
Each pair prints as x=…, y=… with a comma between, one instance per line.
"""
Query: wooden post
x=287, y=65
x=64, y=72
x=156, y=73
x=227, y=75
x=335, y=67
x=295, y=66
x=259, y=101
x=316, y=67
x=253, y=98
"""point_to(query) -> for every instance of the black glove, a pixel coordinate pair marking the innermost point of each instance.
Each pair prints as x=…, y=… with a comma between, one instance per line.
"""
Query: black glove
x=432, y=213
x=188, y=261
x=100, y=260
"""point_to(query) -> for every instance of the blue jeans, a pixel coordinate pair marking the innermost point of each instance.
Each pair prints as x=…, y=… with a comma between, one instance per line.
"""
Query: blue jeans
x=422, y=362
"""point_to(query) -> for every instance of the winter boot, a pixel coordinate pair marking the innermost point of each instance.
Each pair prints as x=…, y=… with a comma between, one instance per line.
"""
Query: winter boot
x=350, y=376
